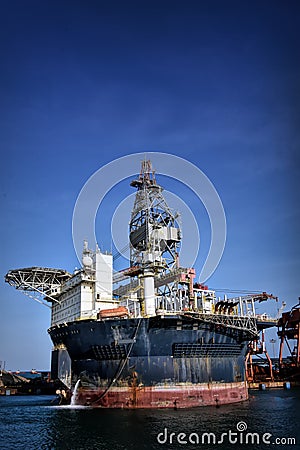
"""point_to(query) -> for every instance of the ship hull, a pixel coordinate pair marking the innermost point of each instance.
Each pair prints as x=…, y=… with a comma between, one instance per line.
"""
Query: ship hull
x=172, y=396
x=159, y=362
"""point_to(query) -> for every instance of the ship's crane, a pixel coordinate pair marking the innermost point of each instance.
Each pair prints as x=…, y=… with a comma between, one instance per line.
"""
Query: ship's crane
x=280, y=310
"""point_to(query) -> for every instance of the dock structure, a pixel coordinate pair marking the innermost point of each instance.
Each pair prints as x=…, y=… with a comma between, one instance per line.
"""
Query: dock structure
x=282, y=372
x=289, y=331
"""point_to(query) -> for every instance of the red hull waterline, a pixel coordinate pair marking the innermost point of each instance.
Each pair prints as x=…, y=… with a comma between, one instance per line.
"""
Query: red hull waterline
x=178, y=396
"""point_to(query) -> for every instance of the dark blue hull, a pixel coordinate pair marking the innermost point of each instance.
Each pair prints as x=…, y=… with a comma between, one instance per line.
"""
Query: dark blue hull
x=151, y=353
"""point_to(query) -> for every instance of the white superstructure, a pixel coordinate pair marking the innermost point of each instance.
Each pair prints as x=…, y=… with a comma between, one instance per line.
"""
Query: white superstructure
x=87, y=292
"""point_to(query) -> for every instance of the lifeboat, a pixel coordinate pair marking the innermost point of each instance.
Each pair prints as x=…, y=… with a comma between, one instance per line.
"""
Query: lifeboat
x=121, y=311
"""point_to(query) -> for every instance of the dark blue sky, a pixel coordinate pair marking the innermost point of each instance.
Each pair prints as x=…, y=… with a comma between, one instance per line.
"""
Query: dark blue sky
x=85, y=82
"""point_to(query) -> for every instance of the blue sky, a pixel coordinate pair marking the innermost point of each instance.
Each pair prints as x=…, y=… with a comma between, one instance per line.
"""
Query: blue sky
x=85, y=82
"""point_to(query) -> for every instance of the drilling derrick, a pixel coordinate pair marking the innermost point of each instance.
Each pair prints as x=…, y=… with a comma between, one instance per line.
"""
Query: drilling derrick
x=154, y=235
x=156, y=339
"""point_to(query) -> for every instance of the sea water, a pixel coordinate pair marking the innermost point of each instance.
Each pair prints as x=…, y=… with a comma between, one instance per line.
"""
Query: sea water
x=269, y=419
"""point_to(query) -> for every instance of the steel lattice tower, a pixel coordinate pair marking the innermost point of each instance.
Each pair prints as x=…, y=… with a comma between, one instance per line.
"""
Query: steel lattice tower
x=154, y=235
x=154, y=232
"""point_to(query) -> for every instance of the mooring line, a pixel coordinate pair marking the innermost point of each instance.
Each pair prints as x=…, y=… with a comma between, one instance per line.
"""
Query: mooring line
x=121, y=366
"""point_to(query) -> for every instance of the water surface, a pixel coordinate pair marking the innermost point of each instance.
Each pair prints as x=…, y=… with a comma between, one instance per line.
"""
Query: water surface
x=33, y=422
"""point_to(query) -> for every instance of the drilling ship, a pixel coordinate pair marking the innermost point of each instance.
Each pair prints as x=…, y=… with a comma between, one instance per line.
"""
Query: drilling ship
x=147, y=336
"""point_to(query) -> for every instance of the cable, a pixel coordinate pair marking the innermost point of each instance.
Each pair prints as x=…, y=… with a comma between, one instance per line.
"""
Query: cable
x=121, y=365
